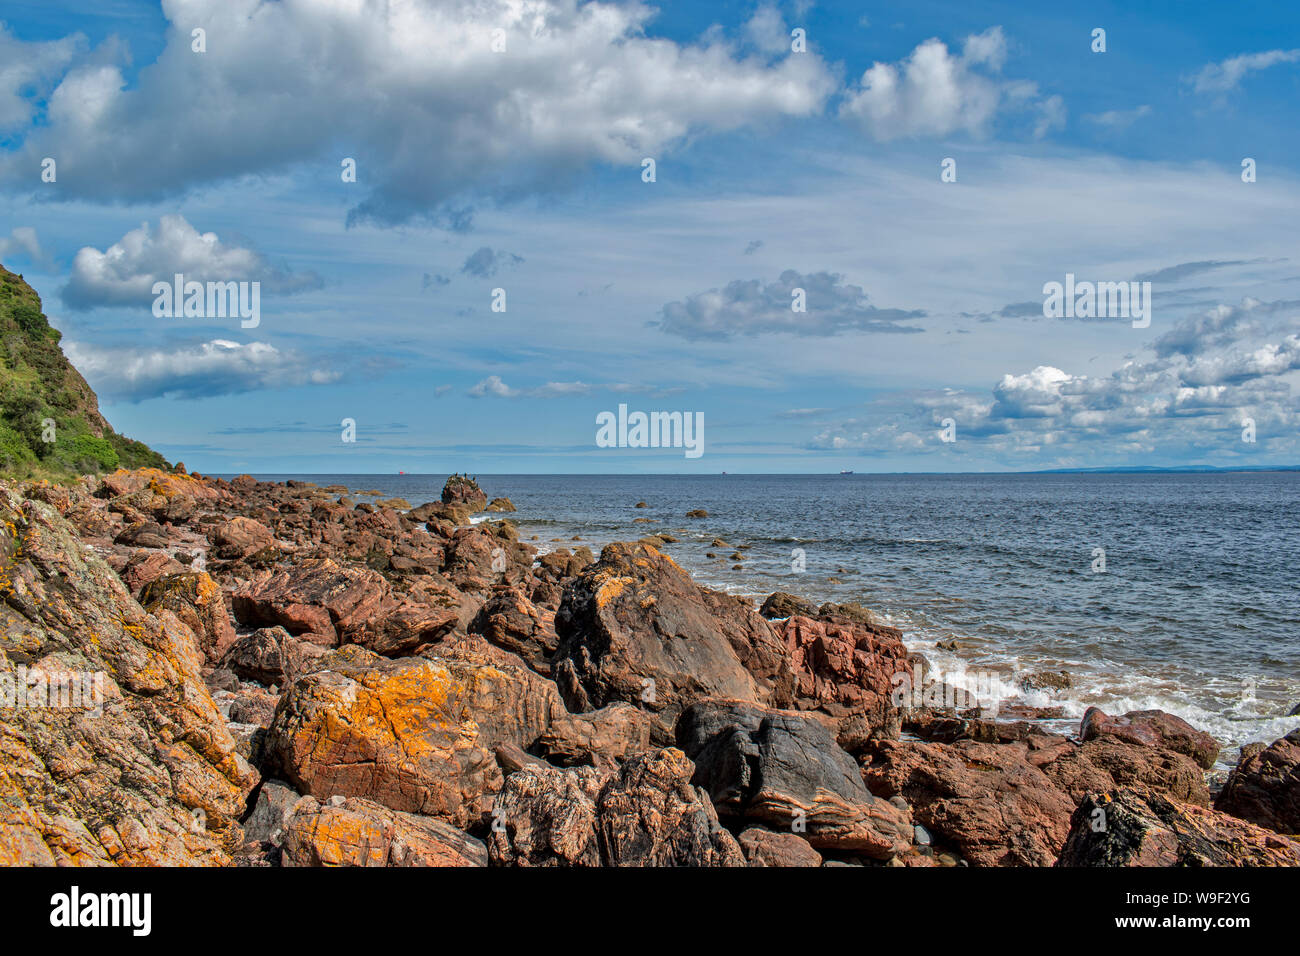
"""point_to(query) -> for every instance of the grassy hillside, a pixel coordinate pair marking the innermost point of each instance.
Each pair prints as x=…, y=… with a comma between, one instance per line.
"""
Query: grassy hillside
x=39, y=386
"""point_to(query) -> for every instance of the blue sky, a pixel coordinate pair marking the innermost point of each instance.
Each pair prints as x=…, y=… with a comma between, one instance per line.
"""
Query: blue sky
x=775, y=170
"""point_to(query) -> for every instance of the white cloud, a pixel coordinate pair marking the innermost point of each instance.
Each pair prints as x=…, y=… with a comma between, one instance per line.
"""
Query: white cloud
x=1178, y=404
x=28, y=70
x=1224, y=76
x=492, y=385
x=750, y=307
x=218, y=367
x=766, y=29
x=414, y=92
x=1118, y=119
x=23, y=241
x=124, y=273
x=934, y=93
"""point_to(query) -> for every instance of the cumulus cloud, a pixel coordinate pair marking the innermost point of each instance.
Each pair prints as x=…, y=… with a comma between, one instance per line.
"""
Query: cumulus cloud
x=750, y=307
x=28, y=71
x=1221, y=325
x=1226, y=75
x=1209, y=375
x=218, y=367
x=934, y=92
x=414, y=92
x=484, y=263
x=124, y=273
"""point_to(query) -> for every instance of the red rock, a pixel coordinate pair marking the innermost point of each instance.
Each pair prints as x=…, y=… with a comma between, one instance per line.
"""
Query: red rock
x=414, y=734
x=649, y=815
x=239, y=537
x=846, y=670
x=197, y=600
x=1264, y=788
x=766, y=848
x=985, y=800
x=146, y=566
x=1153, y=728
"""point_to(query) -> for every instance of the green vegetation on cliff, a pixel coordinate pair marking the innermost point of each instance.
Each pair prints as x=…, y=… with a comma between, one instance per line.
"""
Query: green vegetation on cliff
x=50, y=423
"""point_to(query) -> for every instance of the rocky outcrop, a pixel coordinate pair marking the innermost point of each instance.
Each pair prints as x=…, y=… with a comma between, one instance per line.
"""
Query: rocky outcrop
x=197, y=600
x=1133, y=827
x=645, y=814
x=546, y=816
x=239, y=537
x=635, y=627
x=270, y=656
x=327, y=603
x=510, y=620
x=116, y=754
x=1152, y=728
x=463, y=490
x=413, y=734
x=598, y=738
x=846, y=670
x=784, y=770
x=1264, y=788
x=987, y=801
x=649, y=814
x=354, y=832
x=781, y=604
x=1105, y=763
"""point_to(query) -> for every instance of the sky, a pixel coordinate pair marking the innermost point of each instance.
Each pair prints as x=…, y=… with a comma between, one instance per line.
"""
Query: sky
x=839, y=259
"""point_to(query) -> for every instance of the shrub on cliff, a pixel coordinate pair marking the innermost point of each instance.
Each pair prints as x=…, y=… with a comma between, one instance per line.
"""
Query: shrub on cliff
x=50, y=423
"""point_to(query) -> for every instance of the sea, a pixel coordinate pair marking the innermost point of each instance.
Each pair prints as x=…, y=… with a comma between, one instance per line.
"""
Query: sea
x=1169, y=591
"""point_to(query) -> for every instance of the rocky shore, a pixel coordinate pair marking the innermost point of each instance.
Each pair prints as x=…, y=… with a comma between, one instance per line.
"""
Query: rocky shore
x=272, y=675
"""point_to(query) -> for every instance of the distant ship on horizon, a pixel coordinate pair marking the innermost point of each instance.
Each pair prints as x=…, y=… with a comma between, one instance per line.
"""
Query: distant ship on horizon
x=846, y=472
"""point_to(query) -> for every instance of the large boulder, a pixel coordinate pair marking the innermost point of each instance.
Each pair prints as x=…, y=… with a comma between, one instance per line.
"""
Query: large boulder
x=784, y=770
x=239, y=537
x=315, y=599
x=635, y=627
x=1105, y=763
x=987, y=801
x=1135, y=827
x=645, y=814
x=546, y=816
x=328, y=603
x=1264, y=788
x=197, y=600
x=464, y=490
x=1152, y=728
x=768, y=848
x=414, y=734
x=355, y=832
x=598, y=738
x=649, y=814
x=269, y=655
x=509, y=619
x=137, y=766
x=846, y=670
x=783, y=604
